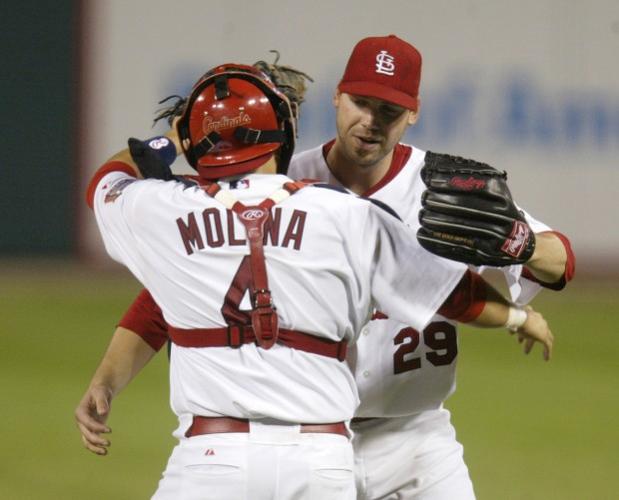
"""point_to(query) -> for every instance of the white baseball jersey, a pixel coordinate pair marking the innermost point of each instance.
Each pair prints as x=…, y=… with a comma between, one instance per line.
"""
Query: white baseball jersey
x=332, y=258
x=400, y=369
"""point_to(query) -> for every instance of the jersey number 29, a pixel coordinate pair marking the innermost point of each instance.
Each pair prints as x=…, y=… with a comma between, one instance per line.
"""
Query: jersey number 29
x=439, y=336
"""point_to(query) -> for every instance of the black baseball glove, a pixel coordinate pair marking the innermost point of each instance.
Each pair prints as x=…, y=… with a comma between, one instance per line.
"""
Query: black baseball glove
x=468, y=214
x=290, y=81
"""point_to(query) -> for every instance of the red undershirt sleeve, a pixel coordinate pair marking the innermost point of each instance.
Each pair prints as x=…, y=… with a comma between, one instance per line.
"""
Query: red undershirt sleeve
x=144, y=318
x=467, y=300
x=570, y=266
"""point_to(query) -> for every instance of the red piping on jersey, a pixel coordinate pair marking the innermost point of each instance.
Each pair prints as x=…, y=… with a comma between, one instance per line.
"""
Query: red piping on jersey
x=401, y=155
x=467, y=300
x=326, y=147
x=145, y=319
x=570, y=265
x=112, y=166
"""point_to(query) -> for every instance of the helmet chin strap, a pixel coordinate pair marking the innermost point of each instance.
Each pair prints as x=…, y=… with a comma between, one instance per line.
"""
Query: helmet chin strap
x=243, y=134
x=206, y=144
x=255, y=136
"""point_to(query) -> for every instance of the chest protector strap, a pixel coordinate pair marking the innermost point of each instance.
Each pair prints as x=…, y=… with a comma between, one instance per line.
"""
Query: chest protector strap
x=263, y=316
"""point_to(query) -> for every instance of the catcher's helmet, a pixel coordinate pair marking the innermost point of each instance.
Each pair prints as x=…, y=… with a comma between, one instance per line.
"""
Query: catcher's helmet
x=234, y=121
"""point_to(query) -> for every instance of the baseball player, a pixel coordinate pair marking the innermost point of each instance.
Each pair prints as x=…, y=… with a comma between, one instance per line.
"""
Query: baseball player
x=262, y=282
x=405, y=446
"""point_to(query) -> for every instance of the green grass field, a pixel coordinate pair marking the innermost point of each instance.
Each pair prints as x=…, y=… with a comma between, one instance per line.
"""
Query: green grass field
x=531, y=430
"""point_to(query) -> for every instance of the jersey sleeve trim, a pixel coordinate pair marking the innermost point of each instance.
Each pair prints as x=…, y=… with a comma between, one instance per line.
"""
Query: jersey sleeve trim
x=113, y=166
x=333, y=187
x=384, y=206
x=374, y=201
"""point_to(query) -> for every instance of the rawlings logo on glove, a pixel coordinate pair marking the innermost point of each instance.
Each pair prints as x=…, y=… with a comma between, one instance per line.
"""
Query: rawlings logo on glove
x=469, y=184
x=518, y=239
x=468, y=214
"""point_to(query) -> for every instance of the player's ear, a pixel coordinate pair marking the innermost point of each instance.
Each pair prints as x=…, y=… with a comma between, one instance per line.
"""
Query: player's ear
x=413, y=116
x=336, y=98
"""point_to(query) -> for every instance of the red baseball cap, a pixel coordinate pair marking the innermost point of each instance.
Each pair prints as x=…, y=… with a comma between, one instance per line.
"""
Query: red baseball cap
x=384, y=67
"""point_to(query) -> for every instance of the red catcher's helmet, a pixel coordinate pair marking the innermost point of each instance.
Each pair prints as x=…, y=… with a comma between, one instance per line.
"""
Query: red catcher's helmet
x=234, y=121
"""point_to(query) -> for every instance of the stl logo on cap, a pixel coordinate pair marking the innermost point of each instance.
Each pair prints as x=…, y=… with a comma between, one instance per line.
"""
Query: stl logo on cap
x=386, y=68
x=385, y=63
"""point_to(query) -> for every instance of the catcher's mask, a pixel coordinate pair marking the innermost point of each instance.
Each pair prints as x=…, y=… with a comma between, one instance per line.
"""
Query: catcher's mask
x=234, y=121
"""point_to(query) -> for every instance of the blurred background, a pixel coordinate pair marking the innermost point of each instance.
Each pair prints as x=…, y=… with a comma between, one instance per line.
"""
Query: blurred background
x=531, y=87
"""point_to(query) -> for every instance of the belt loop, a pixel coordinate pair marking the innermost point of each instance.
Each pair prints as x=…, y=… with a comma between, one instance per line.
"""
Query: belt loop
x=342, y=349
x=236, y=335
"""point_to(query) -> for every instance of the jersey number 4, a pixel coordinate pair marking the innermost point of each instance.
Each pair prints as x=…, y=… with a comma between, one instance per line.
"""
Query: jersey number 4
x=241, y=283
x=439, y=336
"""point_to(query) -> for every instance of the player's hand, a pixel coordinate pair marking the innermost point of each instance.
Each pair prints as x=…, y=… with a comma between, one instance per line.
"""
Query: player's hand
x=535, y=329
x=91, y=415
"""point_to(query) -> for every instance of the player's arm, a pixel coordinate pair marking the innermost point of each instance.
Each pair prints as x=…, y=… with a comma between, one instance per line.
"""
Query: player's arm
x=141, y=333
x=478, y=303
x=552, y=264
x=468, y=215
x=126, y=355
x=411, y=285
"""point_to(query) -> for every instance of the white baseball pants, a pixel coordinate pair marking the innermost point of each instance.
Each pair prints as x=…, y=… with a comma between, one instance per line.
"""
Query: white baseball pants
x=274, y=462
x=410, y=458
